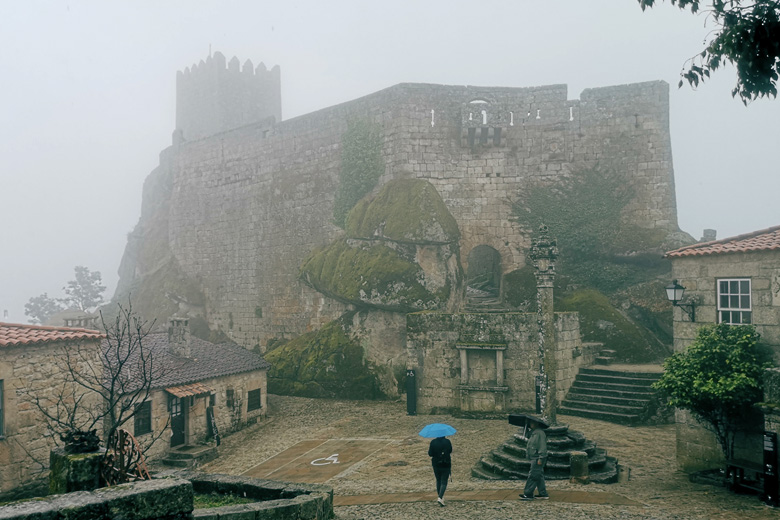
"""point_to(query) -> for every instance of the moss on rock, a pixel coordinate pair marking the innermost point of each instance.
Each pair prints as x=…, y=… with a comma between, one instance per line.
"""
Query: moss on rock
x=404, y=210
x=369, y=274
x=324, y=363
x=601, y=322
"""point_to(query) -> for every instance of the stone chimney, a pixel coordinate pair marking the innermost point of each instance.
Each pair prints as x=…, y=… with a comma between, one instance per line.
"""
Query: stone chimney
x=178, y=339
x=709, y=235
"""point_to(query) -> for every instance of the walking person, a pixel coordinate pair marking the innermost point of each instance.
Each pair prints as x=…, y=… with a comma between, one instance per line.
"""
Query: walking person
x=439, y=451
x=536, y=450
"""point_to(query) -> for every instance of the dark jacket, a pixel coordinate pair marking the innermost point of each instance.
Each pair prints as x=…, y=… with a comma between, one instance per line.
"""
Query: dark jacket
x=439, y=451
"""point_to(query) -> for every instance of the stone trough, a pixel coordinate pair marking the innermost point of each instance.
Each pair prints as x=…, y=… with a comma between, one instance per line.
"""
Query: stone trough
x=172, y=499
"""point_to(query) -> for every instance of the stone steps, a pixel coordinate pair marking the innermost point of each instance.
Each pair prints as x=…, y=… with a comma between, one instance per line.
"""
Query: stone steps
x=621, y=397
x=509, y=462
x=190, y=457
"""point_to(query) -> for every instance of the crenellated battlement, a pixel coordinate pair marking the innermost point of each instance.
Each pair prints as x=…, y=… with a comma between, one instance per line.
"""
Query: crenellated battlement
x=213, y=96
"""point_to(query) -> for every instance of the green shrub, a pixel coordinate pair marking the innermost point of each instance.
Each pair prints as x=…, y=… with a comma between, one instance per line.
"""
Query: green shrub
x=718, y=379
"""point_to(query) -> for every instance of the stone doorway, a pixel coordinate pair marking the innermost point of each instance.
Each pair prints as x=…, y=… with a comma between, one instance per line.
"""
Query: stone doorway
x=483, y=280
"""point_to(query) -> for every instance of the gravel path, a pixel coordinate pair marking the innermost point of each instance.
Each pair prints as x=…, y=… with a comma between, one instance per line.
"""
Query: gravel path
x=405, y=467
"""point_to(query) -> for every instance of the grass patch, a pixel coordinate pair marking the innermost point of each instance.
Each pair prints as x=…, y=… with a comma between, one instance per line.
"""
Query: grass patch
x=211, y=500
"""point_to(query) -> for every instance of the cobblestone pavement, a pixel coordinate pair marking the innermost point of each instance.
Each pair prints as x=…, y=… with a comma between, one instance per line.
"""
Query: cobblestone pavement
x=405, y=467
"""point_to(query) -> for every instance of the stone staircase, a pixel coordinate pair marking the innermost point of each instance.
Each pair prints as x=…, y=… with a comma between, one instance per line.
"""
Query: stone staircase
x=613, y=395
x=481, y=301
x=190, y=457
x=509, y=462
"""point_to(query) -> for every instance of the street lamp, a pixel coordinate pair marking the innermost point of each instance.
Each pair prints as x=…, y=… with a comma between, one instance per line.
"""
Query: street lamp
x=675, y=293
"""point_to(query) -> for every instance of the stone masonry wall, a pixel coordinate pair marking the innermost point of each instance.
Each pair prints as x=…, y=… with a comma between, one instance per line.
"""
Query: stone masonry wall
x=248, y=205
x=432, y=350
x=33, y=371
x=696, y=447
x=228, y=419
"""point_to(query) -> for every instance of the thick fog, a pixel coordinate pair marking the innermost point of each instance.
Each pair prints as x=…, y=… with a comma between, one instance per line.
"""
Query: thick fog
x=88, y=101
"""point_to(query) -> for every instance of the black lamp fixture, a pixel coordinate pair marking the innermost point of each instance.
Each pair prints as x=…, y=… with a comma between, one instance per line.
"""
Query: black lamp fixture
x=675, y=293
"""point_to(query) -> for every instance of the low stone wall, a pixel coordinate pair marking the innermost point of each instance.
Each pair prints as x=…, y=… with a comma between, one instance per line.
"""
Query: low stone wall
x=163, y=499
x=275, y=499
x=172, y=499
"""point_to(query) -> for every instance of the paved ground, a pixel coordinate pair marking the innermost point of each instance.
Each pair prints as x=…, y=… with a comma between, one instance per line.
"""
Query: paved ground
x=392, y=478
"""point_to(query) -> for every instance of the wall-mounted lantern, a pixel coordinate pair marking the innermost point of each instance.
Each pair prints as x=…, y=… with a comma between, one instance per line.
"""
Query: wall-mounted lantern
x=675, y=293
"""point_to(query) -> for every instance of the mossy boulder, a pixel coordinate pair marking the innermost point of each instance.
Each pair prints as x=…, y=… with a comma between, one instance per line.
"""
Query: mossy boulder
x=324, y=363
x=370, y=274
x=405, y=210
x=601, y=322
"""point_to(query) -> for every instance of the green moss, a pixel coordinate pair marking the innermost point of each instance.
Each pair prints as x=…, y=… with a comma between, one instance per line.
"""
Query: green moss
x=601, y=322
x=363, y=274
x=404, y=210
x=324, y=363
x=361, y=166
x=519, y=289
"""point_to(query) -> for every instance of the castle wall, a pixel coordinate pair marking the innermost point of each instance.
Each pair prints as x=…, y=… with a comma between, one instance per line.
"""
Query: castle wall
x=248, y=205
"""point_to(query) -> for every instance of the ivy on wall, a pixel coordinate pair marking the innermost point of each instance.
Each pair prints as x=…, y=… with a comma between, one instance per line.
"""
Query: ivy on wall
x=597, y=248
x=361, y=166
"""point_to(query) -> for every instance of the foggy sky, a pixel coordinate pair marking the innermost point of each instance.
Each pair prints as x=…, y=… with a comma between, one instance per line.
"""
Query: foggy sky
x=87, y=100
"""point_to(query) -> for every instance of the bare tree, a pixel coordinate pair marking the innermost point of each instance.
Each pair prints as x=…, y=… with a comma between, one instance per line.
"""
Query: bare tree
x=102, y=388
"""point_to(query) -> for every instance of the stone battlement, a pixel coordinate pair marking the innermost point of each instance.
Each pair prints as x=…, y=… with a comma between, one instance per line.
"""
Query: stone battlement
x=213, y=96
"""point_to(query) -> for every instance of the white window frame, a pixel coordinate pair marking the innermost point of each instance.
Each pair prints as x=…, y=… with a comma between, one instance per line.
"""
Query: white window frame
x=730, y=311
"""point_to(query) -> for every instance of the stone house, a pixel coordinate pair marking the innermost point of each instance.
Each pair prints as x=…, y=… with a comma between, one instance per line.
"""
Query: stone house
x=27, y=368
x=201, y=386
x=734, y=280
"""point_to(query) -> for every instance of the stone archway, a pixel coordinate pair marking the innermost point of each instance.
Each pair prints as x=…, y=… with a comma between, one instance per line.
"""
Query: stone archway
x=483, y=279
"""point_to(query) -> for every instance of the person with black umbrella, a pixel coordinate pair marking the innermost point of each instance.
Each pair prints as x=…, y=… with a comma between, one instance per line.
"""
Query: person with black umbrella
x=536, y=451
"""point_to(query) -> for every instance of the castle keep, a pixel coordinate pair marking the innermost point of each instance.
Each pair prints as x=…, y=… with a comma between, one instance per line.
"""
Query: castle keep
x=241, y=198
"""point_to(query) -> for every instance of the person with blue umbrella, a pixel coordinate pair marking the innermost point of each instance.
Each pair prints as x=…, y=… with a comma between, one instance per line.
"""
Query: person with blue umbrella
x=439, y=451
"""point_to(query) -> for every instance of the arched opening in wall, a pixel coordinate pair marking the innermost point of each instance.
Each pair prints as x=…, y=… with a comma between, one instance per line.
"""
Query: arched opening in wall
x=483, y=279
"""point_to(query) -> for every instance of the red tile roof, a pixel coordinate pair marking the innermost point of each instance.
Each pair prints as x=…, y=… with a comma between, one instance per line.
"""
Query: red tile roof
x=763, y=240
x=14, y=334
x=188, y=390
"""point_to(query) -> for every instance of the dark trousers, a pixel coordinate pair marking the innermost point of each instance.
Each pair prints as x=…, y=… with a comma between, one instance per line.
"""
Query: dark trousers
x=535, y=479
x=442, y=475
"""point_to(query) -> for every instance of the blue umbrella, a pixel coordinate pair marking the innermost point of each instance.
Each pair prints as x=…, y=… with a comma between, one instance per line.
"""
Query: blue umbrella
x=437, y=430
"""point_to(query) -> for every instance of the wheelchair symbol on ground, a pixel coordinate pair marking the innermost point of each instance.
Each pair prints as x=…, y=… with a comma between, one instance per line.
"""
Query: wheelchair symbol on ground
x=316, y=460
x=324, y=461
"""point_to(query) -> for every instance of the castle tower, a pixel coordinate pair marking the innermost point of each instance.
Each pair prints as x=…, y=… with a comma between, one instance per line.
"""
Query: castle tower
x=213, y=96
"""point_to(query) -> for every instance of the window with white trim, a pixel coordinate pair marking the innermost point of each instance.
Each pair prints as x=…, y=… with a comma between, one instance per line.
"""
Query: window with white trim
x=735, y=304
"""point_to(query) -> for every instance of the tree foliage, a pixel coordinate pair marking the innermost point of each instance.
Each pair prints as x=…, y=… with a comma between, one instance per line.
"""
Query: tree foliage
x=718, y=379
x=41, y=308
x=747, y=35
x=86, y=291
x=597, y=248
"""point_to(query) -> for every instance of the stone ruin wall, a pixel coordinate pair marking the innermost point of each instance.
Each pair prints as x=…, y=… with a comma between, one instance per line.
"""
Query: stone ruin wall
x=432, y=350
x=246, y=206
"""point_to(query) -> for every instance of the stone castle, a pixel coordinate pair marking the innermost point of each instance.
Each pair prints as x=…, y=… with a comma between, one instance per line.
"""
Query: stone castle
x=241, y=198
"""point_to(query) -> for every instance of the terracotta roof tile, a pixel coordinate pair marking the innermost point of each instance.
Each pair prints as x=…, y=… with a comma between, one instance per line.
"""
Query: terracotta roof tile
x=14, y=334
x=763, y=240
x=188, y=390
